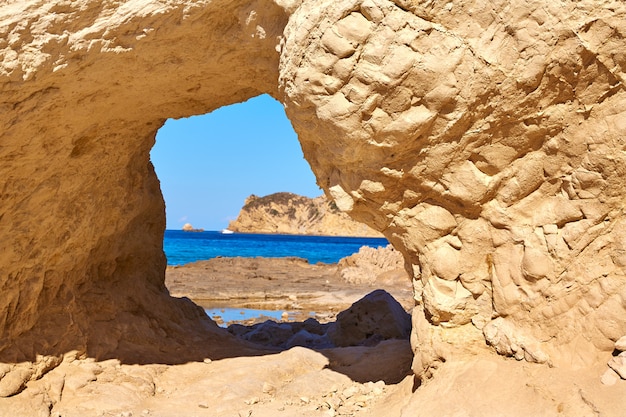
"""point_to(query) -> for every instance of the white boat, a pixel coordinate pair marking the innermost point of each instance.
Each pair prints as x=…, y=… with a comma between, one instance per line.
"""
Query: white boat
x=227, y=232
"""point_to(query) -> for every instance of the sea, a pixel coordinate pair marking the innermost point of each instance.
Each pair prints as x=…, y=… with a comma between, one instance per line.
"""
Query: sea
x=184, y=247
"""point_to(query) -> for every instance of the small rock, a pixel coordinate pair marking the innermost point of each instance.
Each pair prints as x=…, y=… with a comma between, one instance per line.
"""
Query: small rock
x=334, y=402
x=621, y=344
x=329, y=413
x=609, y=377
x=268, y=388
x=618, y=364
x=367, y=387
x=207, y=360
x=313, y=326
x=253, y=400
x=349, y=392
x=361, y=399
x=379, y=388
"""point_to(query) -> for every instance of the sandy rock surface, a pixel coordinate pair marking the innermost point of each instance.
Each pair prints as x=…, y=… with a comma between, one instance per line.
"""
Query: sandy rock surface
x=485, y=140
x=492, y=160
x=262, y=375
x=272, y=368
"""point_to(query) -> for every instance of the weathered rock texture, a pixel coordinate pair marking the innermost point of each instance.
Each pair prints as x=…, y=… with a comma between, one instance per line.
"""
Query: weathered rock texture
x=486, y=140
x=289, y=213
x=84, y=88
x=291, y=283
x=381, y=266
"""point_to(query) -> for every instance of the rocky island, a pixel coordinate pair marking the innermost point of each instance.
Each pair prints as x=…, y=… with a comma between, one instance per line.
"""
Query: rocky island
x=288, y=213
x=188, y=227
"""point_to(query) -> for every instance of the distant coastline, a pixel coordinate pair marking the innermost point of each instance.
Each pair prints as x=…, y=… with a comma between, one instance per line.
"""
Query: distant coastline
x=288, y=213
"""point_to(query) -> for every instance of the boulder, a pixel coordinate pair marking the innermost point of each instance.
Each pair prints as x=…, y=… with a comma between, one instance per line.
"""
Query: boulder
x=375, y=317
x=618, y=364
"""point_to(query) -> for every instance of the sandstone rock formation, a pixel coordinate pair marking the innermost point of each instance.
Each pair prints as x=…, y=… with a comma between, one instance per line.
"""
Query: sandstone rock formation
x=375, y=317
x=375, y=266
x=289, y=213
x=487, y=143
x=485, y=140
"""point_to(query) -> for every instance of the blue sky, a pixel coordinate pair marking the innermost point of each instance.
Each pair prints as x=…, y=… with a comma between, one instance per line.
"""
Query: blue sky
x=209, y=164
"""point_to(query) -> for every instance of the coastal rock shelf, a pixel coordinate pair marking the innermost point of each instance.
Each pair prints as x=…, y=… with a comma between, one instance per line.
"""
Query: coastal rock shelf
x=291, y=283
x=485, y=140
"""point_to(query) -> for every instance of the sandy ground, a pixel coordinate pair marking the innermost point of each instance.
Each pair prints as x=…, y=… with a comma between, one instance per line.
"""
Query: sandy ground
x=377, y=381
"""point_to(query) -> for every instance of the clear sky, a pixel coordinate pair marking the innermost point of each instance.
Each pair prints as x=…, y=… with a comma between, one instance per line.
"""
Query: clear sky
x=209, y=164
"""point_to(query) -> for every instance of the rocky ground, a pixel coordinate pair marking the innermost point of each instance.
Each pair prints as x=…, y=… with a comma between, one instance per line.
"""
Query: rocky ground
x=352, y=359
x=334, y=364
x=291, y=283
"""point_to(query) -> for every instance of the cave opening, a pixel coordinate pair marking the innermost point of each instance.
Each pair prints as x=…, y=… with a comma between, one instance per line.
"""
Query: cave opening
x=207, y=166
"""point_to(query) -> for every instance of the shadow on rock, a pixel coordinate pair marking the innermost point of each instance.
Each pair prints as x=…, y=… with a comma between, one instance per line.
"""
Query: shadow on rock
x=368, y=342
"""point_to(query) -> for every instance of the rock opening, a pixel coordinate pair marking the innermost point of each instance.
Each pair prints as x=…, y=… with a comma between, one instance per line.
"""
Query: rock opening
x=494, y=162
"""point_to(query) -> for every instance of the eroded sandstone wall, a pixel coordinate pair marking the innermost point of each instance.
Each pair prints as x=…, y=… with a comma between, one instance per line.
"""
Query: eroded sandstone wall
x=84, y=87
x=487, y=141
x=484, y=139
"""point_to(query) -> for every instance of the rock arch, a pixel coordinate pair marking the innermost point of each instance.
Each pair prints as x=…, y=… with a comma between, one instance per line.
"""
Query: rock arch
x=487, y=143
x=85, y=89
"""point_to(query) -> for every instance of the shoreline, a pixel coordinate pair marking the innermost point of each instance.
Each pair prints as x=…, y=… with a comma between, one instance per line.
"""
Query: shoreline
x=235, y=232
x=282, y=284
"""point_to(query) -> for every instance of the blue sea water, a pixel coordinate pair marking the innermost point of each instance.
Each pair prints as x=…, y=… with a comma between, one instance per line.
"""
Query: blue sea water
x=185, y=247
x=225, y=315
